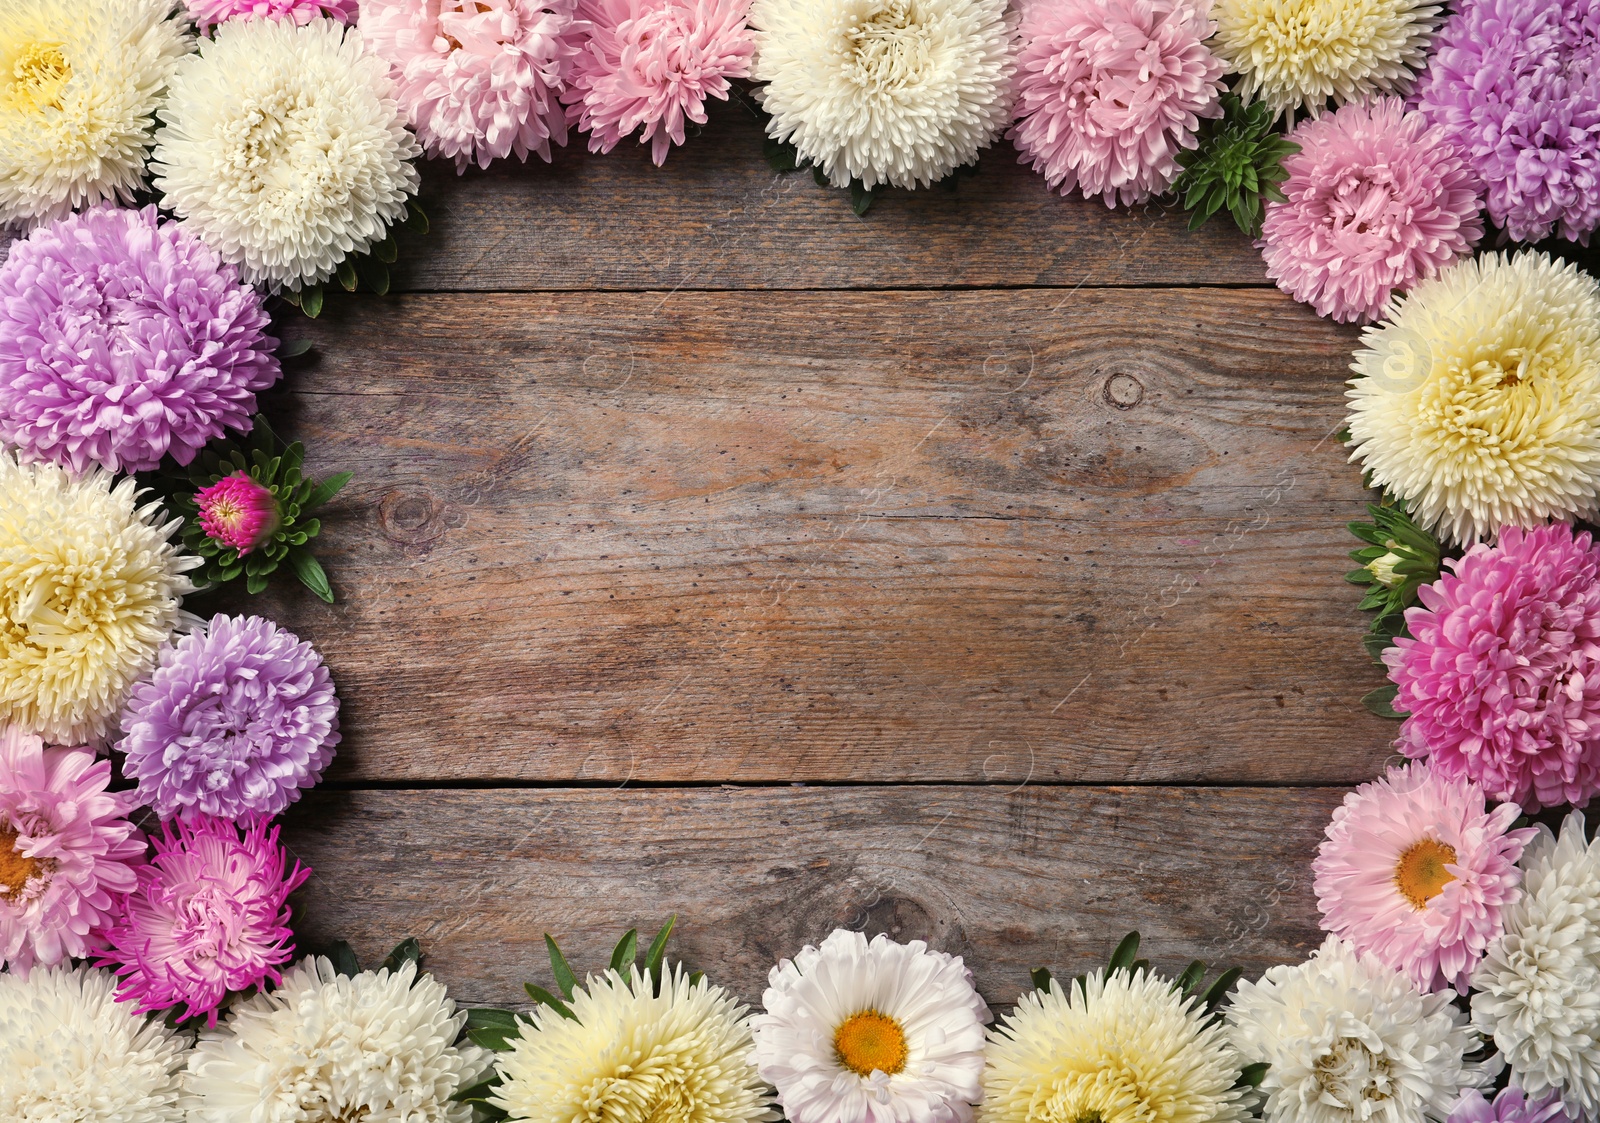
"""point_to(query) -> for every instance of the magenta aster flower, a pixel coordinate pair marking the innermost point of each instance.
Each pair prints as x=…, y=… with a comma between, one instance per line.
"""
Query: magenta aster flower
x=1510, y=1106
x=1417, y=872
x=652, y=63
x=237, y=719
x=209, y=916
x=478, y=79
x=1515, y=84
x=237, y=511
x=124, y=339
x=66, y=850
x=209, y=13
x=1377, y=202
x=1110, y=91
x=1502, y=679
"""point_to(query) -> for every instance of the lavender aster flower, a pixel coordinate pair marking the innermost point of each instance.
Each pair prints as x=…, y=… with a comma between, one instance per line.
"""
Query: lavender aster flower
x=1512, y=1105
x=124, y=339
x=1516, y=85
x=236, y=720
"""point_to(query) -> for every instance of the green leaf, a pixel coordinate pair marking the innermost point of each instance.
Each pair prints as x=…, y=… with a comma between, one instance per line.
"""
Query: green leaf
x=1127, y=951
x=406, y=951
x=488, y=1017
x=782, y=157
x=1041, y=978
x=478, y=1091
x=293, y=348
x=626, y=952
x=347, y=275
x=255, y=582
x=1251, y=1076
x=1219, y=989
x=344, y=959
x=565, y=979
x=819, y=176
x=1191, y=977
x=326, y=490
x=545, y=998
x=658, y=950
x=309, y=570
x=860, y=198
x=375, y=274
x=386, y=251
x=1381, y=701
x=311, y=300
x=416, y=220
x=495, y=1038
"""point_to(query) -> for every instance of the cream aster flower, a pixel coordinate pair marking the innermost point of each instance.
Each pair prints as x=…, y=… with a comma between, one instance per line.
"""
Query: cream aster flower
x=1349, y=1039
x=635, y=1056
x=885, y=91
x=874, y=1032
x=284, y=149
x=1479, y=400
x=70, y=1053
x=378, y=1047
x=89, y=591
x=1539, y=986
x=1121, y=1049
x=1295, y=53
x=80, y=83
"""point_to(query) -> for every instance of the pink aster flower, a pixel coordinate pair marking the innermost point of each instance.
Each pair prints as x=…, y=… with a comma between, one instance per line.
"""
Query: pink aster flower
x=66, y=850
x=1377, y=202
x=209, y=13
x=1512, y=1105
x=1110, y=91
x=209, y=916
x=1416, y=872
x=237, y=511
x=652, y=63
x=1502, y=679
x=479, y=79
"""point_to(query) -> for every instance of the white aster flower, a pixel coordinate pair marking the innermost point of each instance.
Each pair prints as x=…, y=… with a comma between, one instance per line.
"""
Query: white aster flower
x=1350, y=1040
x=284, y=149
x=1479, y=400
x=636, y=1056
x=378, y=1047
x=885, y=91
x=1539, y=986
x=874, y=1032
x=80, y=82
x=71, y=1053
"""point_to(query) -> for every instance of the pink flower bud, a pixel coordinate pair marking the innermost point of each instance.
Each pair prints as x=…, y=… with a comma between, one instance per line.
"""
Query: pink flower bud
x=237, y=511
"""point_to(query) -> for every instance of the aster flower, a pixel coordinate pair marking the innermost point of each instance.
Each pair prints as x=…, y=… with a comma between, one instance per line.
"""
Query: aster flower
x=1479, y=400
x=1515, y=84
x=1418, y=873
x=70, y=1053
x=124, y=339
x=1501, y=673
x=376, y=1046
x=237, y=512
x=208, y=13
x=1110, y=91
x=79, y=88
x=1538, y=989
x=478, y=79
x=90, y=589
x=873, y=1031
x=284, y=149
x=1236, y=166
x=235, y=722
x=1375, y=201
x=209, y=916
x=66, y=850
x=653, y=63
x=901, y=92
x=1299, y=53
x=1349, y=1040
x=1512, y=1105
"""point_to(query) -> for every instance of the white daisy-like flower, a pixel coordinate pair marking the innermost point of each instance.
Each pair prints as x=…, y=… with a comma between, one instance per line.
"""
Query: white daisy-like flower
x=1122, y=1048
x=1350, y=1040
x=885, y=91
x=1478, y=401
x=378, y=1047
x=1539, y=986
x=71, y=1053
x=635, y=1055
x=874, y=1032
x=80, y=83
x=90, y=589
x=1295, y=53
x=284, y=149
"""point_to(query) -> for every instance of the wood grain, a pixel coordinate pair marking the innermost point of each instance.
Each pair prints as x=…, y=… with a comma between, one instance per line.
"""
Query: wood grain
x=1009, y=878
x=1091, y=536
x=716, y=217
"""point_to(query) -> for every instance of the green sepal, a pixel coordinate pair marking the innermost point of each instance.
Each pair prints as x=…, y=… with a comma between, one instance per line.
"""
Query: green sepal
x=311, y=300
x=545, y=998
x=406, y=951
x=565, y=979
x=293, y=348
x=1252, y=1075
x=1381, y=701
x=626, y=952
x=386, y=251
x=1191, y=978
x=1127, y=952
x=344, y=959
x=1041, y=978
x=416, y=220
x=1218, y=990
x=347, y=275
x=657, y=951
x=861, y=197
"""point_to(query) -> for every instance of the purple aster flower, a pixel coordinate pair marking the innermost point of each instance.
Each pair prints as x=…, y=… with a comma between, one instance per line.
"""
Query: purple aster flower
x=1516, y=86
x=124, y=339
x=1512, y=1105
x=237, y=719
x=209, y=916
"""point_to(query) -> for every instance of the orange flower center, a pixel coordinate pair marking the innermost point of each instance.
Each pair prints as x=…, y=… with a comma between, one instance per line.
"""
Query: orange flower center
x=870, y=1042
x=17, y=868
x=1420, y=874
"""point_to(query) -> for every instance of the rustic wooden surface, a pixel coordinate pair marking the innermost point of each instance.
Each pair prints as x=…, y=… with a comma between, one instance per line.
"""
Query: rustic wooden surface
x=631, y=522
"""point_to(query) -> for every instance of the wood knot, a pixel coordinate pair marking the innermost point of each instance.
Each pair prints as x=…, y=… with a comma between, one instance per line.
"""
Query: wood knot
x=411, y=518
x=1123, y=390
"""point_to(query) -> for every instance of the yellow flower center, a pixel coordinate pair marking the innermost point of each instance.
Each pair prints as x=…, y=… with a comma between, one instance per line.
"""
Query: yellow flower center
x=870, y=1042
x=889, y=47
x=1420, y=874
x=17, y=868
x=37, y=77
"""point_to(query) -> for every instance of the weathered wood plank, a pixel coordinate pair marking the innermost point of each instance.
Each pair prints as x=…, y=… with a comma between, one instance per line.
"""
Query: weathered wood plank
x=1009, y=878
x=1093, y=536
x=717, y=217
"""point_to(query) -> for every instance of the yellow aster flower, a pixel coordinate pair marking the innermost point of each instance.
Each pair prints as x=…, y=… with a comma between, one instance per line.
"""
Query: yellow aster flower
x=90, y=589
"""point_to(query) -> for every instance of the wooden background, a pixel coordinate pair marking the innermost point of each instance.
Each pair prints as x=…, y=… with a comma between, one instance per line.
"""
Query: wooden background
x=970, y=571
